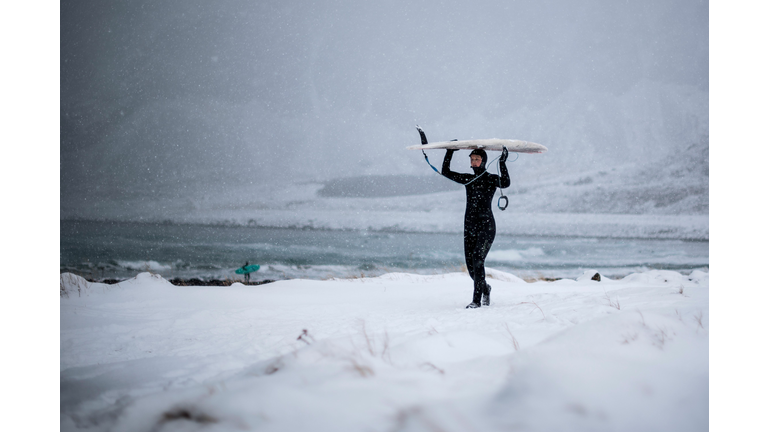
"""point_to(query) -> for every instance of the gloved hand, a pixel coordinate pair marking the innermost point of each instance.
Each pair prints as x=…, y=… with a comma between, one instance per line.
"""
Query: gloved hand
x=504, y=154
x=451, y=151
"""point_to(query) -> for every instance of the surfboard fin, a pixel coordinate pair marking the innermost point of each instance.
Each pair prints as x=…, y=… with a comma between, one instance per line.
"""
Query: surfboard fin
x=423, y=135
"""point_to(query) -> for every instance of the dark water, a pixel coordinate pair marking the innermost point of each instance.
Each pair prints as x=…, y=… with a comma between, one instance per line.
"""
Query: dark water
x=107, y=250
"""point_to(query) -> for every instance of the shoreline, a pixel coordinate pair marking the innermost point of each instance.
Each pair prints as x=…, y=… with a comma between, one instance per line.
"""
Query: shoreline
x=184, y=282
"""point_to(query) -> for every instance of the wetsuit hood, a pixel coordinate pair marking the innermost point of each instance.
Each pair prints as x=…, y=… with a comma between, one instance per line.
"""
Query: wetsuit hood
x=480, y=152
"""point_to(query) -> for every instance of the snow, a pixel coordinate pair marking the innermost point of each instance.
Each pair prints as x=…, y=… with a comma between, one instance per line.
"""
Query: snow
x=395, y=352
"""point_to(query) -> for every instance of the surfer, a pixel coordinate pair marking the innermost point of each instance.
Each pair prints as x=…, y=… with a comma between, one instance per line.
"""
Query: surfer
x=479, y=224
x=247, y=274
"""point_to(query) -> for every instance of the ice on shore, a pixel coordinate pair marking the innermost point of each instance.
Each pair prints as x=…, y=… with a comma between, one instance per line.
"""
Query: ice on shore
x=397, y=352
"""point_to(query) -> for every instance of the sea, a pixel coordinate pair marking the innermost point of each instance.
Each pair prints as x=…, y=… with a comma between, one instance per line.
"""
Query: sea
x=103, y=250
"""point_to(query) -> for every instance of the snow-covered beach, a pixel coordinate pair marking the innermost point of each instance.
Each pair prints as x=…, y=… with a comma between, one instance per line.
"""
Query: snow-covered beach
x=198, y=136
x=392, y=353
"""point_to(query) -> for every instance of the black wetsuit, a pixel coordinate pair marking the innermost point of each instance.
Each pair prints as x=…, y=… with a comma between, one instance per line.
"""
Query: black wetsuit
x=479, y=224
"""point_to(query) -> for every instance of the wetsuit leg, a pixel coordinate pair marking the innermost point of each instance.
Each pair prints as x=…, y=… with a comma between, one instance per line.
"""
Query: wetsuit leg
x=470, y=239
x=478, y=238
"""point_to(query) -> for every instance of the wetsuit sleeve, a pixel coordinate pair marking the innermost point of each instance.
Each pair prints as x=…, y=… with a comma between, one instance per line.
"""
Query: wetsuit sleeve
x=457, y=177
x=505, y=182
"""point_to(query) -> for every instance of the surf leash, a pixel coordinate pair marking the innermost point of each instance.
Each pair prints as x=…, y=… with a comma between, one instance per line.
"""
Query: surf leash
x=501, y=190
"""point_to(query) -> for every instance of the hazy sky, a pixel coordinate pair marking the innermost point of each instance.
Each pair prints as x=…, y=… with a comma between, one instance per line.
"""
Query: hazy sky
x=179, y=96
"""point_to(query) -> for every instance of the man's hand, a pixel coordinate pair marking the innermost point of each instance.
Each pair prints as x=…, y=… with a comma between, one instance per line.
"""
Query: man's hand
x=504, y=154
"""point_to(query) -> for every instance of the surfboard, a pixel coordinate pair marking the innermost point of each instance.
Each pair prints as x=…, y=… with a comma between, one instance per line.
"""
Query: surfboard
x=485, y=144
x=248, y=269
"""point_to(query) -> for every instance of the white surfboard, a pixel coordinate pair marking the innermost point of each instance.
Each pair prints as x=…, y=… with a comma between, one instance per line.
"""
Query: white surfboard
x=485, y=144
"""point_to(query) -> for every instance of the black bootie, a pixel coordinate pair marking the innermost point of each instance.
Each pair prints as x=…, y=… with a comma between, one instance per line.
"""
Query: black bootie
x=475, y=298
x=487, y=295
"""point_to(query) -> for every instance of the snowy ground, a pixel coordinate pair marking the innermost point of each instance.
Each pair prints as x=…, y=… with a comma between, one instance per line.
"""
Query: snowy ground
x=393, y=353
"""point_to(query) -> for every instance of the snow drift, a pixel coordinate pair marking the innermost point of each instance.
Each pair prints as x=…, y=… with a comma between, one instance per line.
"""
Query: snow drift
x=397, y=352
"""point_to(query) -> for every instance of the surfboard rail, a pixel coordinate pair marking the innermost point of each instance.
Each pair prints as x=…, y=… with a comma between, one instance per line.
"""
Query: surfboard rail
x=248, y=269
x=493, y=144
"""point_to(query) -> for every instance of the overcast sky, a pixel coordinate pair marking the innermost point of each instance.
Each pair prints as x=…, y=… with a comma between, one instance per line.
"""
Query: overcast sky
x=175, y=96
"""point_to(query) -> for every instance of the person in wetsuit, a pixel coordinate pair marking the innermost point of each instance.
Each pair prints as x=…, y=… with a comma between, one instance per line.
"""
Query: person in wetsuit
x=247, y=276
x=479, y=224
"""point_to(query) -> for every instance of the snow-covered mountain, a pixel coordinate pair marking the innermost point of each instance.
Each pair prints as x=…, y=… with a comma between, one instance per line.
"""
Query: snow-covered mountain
x=662, y=198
